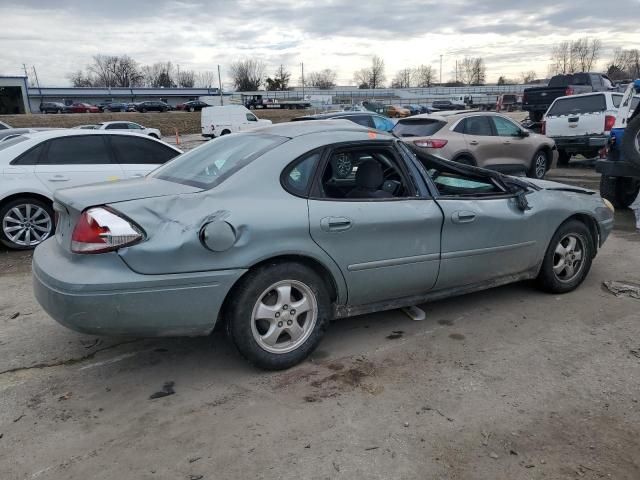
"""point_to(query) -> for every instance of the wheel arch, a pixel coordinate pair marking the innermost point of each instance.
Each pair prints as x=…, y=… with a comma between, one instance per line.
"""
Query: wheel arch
x=15, y=196
x=592, y=225
x=466, y=154
x=336, y=290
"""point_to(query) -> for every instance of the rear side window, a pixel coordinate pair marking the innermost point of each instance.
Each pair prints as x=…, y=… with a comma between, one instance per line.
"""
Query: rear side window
x=363, y=120
x=297, y=177
x=133, y=150
x=382, y=123
x=616, y=99
x=27, y=158
x=577, y=105
x=418, y=128
x=214, y=162
x=85, y=150
x=117, y=126
x=478, y=126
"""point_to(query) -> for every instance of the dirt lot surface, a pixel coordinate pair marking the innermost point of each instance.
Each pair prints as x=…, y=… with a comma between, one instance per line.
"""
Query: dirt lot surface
x=509, y=383
x=184, y=122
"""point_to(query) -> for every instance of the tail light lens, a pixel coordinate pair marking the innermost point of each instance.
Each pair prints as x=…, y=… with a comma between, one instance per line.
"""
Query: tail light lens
x=433, y=143
x=101, y=230
x=609, y=122
x=543, y=127
x=569, y=91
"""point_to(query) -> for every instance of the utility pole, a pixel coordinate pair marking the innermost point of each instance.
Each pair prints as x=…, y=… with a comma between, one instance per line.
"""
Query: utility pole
x=220, y=87
x=37, y=82
x=178, y=76
x=26, y=82
x=440, y=69
x=456, y=71
x=302, y=66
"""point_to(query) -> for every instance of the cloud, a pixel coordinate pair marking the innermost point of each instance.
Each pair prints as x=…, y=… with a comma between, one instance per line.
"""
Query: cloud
x=60, y=36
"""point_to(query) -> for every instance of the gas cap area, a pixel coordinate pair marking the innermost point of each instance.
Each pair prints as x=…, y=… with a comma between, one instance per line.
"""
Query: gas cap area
x=218, y=236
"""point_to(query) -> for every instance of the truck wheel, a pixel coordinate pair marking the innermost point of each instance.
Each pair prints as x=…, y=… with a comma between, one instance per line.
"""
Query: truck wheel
x=563, y=158
x=631, y=142
x=620, y=191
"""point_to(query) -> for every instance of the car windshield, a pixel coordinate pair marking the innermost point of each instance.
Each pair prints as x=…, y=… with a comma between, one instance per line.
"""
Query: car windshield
x=211, y=164
x=578, y=105
x=418, y=128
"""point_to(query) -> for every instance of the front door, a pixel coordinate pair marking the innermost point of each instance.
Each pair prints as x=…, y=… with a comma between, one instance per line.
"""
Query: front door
x=76, y=160
x=366, y=215
x=517, y=150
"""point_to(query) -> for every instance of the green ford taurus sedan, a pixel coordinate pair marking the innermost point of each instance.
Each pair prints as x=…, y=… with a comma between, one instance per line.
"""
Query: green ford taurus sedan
x=278, y=231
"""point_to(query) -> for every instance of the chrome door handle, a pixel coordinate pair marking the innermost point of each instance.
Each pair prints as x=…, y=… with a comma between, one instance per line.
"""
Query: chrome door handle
x=474, y=142
x=335, y=224
x=59, y=178
x=463, y=217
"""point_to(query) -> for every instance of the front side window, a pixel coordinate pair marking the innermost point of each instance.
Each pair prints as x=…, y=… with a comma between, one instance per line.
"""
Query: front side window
x=82, y=150
x=505, y=128
x=135, y=150
x=212, y=163
x=297, y=177
x=363, y=173
x=251, y=117
x=616, y=99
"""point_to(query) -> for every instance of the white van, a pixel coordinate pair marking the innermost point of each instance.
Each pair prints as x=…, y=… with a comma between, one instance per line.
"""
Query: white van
x=216, y=121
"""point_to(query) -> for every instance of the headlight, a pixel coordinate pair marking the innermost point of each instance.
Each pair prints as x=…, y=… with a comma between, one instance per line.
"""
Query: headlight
x=609, y=205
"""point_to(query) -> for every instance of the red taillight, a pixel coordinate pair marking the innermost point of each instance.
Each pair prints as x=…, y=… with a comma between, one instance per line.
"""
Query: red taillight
x=569, y=91
x=101, y=230
x=434, y=143
x=543, y=128
x=609, y=122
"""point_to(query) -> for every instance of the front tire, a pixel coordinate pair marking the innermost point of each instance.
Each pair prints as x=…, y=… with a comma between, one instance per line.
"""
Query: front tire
x=568, y=258
x=25, y=223
x=278, y=314
x=539, y=165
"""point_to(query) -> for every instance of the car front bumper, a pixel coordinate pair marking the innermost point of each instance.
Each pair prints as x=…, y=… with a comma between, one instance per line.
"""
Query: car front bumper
x=101, y=295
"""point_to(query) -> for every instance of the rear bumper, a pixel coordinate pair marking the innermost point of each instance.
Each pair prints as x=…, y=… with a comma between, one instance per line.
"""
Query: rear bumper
x=99, y=294
x=580, y=143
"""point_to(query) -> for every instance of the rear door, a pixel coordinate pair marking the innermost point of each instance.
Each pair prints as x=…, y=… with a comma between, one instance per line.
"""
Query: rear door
x=577, y=116
x=480, y=138
x=78, y=160
x=364, y=120
x=139, y=155
x=117, y=126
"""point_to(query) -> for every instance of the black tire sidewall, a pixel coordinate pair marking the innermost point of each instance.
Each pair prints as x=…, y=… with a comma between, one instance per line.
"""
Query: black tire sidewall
x=21, y=201
x=532, y=169
x=239, y=313
x=563, y=158
x=618, y=191
x=547, y=280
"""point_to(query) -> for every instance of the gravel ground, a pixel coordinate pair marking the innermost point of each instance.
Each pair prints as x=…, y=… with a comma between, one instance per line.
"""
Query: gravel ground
x=509, y=383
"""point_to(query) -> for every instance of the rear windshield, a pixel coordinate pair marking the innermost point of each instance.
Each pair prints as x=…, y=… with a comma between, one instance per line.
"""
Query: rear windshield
x=214, y=162
x=571, y=79
x=577, y=105
x=616, y=99
x=418, y=128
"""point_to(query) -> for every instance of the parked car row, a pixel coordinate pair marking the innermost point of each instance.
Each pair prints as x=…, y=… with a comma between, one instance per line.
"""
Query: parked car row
x=81, y=107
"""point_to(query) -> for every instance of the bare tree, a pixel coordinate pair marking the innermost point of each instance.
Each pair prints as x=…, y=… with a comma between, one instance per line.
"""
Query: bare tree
x=502, y=80
x=528, y=77
x=372, y=77
x=80, y=79
x=159, y=75
x=324, y=79
x=205, y=79
x=114, y=71
x=361, y=78
x=280, y=80
x=575, y=56
x=472, y=71
x=247, y=74
x=403, y=79
x=424, y=76
x=186, y=78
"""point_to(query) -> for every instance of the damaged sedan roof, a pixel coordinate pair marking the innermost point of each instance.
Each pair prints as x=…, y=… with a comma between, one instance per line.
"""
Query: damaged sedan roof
x=308, y=127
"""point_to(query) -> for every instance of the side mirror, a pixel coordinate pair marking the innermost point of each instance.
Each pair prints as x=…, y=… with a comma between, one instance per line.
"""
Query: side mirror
x=524, y=133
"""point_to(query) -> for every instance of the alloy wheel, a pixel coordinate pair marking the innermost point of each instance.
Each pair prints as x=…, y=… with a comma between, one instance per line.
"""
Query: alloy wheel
x=27, y=225
x=284, y=316
x=541, y=165
x=568, y=257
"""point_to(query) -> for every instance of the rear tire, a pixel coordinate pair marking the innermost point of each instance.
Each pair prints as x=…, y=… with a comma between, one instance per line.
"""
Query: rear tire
x=259, y=316
x=631, y=142
x=620, y=191
x=568, y=258
x=563, y=158
x=41, y=222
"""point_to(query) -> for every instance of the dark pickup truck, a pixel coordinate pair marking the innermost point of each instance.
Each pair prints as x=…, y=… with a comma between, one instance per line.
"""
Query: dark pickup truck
x=536, y=100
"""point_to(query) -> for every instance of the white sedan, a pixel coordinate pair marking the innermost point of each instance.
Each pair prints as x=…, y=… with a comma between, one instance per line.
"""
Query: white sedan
x=34, y=165
x=129, y=126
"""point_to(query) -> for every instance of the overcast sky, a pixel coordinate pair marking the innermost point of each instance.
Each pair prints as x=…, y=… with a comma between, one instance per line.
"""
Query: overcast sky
x=60, y=36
